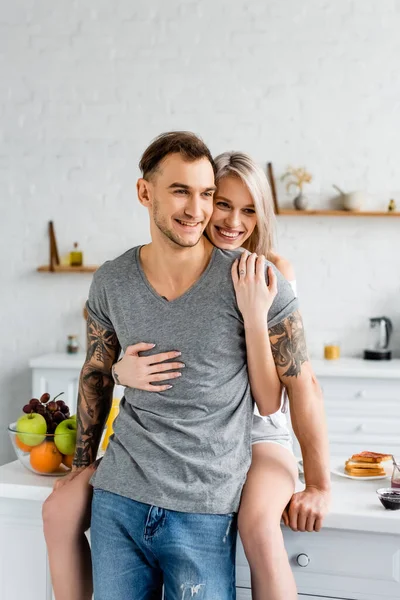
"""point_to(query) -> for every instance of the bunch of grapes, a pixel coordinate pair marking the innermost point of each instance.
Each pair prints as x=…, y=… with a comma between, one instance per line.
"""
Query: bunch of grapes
x=54, y=412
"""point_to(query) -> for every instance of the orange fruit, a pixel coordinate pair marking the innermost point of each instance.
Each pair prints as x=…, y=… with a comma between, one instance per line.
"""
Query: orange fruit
x=45, y=458
x=67, y=460
x=21, y=445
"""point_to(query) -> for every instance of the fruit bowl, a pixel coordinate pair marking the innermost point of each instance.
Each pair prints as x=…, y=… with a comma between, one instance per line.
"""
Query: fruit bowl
x=44, y=453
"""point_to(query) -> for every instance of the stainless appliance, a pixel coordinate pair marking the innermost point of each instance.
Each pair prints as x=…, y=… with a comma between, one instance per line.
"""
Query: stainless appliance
x=380, y=330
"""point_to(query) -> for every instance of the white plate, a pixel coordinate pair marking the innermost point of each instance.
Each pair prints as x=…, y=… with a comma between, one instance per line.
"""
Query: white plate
x=339, y=470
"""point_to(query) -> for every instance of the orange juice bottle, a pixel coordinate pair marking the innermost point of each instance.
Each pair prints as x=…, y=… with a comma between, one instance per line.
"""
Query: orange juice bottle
x=110, y=422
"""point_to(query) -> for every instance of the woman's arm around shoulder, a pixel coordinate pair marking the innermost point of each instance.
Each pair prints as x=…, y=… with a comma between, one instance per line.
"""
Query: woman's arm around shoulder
x=283, y=265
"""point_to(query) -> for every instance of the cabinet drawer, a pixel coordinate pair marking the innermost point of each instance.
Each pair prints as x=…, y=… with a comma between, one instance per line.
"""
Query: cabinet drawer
x=364, y=426
x=346, y=564
x=348, y=388
x=342, y=564
x=245, y=594
x=363, y=407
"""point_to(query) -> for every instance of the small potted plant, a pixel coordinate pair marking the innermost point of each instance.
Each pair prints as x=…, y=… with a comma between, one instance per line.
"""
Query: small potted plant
x=297, y=177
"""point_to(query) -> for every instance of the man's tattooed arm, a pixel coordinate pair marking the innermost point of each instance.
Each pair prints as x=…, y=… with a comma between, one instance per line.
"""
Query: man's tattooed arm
x=288, y=345
x=95, y=391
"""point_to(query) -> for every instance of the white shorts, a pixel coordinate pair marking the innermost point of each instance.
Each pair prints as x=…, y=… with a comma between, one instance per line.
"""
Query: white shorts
x=272, y=429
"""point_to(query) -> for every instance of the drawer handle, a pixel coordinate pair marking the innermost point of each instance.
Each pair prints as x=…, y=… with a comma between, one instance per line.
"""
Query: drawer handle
x=303, y=560
x=360, y=394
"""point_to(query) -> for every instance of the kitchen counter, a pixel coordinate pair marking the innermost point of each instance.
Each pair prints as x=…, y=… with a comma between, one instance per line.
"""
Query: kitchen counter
x=357, y=367
x=355, y=505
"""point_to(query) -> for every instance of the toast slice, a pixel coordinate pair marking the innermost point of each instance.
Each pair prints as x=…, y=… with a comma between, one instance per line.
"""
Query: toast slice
x=354, y=472
x=363, y=469
x=370, y=457
x=362, y=465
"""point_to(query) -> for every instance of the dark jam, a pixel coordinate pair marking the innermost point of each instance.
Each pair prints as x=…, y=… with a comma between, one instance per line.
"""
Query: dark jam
x=390, y=501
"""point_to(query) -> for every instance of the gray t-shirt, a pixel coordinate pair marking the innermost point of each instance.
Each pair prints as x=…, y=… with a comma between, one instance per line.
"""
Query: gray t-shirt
x=188, y=448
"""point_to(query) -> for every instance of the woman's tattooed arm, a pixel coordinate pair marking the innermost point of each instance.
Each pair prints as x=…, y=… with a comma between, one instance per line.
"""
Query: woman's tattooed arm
x=305, y=397
x=95, y=391
x=288, y=345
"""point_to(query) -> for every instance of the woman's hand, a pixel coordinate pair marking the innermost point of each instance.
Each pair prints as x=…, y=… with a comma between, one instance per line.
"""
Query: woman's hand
x=253, y=295
x=140, y=372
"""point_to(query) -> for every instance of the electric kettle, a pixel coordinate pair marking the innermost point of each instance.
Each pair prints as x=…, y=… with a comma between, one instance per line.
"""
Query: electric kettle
x=380, y=330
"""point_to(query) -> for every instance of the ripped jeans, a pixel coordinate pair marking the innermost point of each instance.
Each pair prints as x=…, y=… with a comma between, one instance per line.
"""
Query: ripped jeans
x=138, y=548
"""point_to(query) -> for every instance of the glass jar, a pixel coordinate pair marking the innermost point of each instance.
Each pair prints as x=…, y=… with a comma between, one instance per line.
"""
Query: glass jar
x=396, y=475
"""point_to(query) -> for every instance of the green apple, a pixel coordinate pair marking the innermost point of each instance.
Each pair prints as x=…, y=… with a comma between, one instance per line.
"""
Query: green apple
x=65, y=436
x=31, y=429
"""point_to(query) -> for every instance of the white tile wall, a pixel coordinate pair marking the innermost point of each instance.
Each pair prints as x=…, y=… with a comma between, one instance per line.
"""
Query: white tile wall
x=84, y=86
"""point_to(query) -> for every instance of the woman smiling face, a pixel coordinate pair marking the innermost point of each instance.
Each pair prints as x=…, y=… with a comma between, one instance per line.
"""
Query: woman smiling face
x=234, y=217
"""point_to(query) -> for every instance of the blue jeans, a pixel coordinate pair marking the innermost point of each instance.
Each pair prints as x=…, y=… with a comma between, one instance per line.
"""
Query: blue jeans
x=136, y=548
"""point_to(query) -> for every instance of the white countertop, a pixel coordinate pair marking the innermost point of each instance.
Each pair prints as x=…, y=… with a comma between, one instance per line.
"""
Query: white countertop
x=357, y=367
x=355, y=505
x=343, y=367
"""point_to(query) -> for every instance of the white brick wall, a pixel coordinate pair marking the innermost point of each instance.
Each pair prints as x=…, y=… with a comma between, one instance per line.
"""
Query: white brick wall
x=84, y=86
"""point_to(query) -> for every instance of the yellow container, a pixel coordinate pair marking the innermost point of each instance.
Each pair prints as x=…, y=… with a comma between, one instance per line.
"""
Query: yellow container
x=110, y=422
x=331, y=352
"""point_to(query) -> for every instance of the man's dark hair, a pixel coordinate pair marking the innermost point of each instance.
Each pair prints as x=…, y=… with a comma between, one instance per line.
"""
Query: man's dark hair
x=185, y=143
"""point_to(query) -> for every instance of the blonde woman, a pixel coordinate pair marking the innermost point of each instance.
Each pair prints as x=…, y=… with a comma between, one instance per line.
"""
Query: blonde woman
x=242, y=217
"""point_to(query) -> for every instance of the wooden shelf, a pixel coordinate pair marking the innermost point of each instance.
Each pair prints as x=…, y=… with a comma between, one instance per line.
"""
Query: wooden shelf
x=67, y=269
x=338, y=213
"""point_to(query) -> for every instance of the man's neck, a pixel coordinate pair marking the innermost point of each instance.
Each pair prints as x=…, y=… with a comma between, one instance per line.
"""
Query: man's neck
x=171, y=269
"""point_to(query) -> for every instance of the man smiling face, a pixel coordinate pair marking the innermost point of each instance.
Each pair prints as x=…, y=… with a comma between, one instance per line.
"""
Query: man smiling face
x=180, y=199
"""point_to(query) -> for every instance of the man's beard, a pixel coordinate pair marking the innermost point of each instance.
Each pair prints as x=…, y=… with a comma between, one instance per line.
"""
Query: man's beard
x=160, y=222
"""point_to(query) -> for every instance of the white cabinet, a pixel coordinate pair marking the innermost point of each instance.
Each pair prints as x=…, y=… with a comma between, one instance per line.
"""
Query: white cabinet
x=338, y=564
x=345, y=564
x=362, y=413
x=24, y=572
x=356, y=556
x=55, y=373
x=362, y=404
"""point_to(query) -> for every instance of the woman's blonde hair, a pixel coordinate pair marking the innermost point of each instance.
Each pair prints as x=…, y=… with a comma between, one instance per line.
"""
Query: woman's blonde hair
x=238, y=164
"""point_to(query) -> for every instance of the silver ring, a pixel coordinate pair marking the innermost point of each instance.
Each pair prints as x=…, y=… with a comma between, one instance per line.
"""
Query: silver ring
x=241, y=272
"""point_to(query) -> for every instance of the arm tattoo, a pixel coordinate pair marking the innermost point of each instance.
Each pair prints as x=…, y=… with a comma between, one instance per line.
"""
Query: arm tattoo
x=288, y=345
x=95, y=391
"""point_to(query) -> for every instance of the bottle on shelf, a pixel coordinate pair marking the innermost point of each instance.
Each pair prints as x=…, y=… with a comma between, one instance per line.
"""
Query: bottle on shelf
x=72, y=344
x=76, y=257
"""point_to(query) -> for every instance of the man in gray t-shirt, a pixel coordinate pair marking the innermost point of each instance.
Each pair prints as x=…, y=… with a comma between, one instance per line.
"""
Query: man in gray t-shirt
x=187, y=448
x=169, y=485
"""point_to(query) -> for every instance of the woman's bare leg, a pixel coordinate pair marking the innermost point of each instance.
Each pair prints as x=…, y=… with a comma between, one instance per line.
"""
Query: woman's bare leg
x=66, y=517
x=270, y=484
